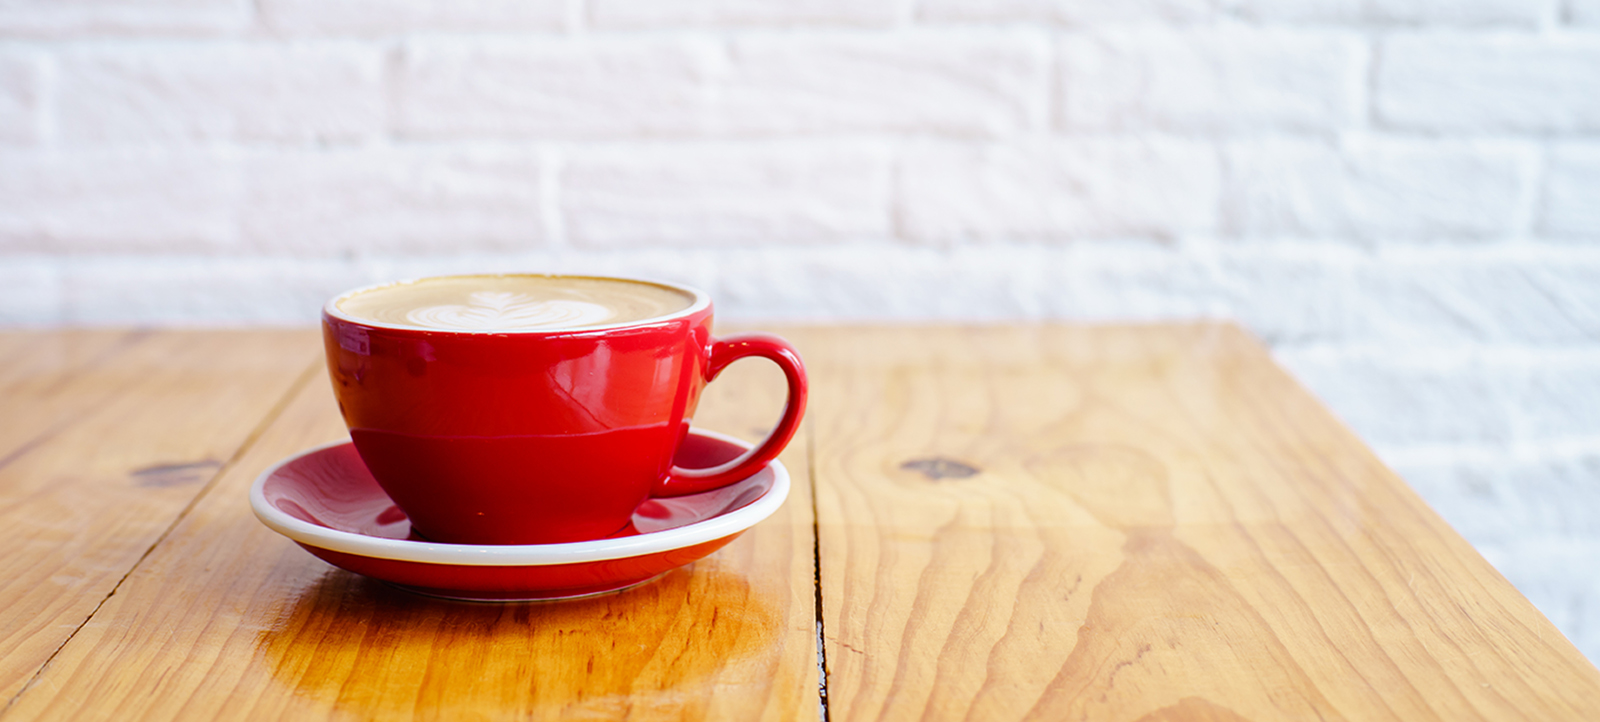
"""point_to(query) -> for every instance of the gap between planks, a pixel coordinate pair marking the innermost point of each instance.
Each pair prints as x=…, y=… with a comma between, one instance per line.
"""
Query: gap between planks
x=249, y=441
x=823, y=712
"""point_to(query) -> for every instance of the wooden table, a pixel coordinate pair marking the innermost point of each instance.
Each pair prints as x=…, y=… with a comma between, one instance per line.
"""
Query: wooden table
x=1112, y=523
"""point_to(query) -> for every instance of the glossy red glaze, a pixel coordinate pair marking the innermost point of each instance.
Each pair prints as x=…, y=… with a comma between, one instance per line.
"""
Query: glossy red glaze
x=536, y=437
x=725, y=351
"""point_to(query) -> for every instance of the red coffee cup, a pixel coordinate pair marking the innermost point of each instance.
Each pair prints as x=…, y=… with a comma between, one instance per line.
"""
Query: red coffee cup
x=506, y=436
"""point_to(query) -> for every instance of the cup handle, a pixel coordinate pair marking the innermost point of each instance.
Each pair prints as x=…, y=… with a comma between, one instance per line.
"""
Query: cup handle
x=724, y=351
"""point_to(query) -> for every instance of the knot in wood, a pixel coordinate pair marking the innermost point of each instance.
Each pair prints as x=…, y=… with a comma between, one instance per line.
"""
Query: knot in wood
x=161, y=476
x=937, y=468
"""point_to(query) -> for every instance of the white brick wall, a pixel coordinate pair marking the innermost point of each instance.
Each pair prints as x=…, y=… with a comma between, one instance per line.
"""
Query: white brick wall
x=497, y=87
x=1373, y=191
x=376, y=18
x=711, y=194
x=1569, y=209
x=1044, y=189
x=1435, y=13
x=21, y=74
x=620, y=14
x=66, y=202
x=1229, y=79
x=1402, y=197
x=98, y=18
x=127, y=93
x=1487, y=82
x=345, y=202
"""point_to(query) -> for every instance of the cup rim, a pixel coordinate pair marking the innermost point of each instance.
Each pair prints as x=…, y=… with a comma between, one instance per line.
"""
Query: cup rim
x=701, y=302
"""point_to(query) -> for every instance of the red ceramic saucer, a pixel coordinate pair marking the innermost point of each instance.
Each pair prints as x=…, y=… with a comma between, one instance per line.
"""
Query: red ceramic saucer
x=326, y=501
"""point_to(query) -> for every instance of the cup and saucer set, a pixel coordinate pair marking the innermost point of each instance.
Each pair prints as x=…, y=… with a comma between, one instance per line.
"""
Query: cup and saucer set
x=526, y=437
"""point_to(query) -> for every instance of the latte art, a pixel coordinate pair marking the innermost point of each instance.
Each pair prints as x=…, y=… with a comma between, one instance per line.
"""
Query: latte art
x=499, y=309
x=513, y=302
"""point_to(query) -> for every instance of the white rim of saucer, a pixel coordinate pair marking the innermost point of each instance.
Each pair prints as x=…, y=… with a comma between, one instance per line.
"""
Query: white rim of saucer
x=486, y=555
x=701, y=301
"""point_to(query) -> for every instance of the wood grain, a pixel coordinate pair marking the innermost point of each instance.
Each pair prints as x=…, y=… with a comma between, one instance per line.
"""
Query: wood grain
x=1121, y=523
x=44, y=383
x=1140, y=524
x=105, y=438
x=226, y=620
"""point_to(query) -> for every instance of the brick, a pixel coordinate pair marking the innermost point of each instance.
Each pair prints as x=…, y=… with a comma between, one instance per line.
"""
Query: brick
x=1068, y=11
x=1570, y=204
x=220, y=91
x=1113, y=283
x=1499, y=499
x=113, y=290
x=966, y=83
x=740, y=13
x=55, y=18
x=121, y=201
x=587, y=88
x=936, y=83
x=1057, y=189
x=1583, y=13
x=1557, y=493
x=875, y=283
x=725, y=195
x=392, y=201
x=30, y=292
x=21, y=80
x=1288, y=297
x=1475, y=498
x=1209, y=80
x=1559, y=399
x=1397, y=12
x=385, y=17
x=1442, y=299
x=1370, y=191
x=1422, y=399
x=1493, y=83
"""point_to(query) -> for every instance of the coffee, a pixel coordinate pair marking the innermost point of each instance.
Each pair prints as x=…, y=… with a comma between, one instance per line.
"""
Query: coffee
x=513, y=302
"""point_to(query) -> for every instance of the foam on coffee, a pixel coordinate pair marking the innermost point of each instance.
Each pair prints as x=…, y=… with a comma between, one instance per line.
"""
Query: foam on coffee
x=513, y=302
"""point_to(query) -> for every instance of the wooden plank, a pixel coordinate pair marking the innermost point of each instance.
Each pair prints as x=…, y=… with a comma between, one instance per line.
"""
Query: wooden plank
x=45, y=379
x=108, y=436
x=227, y=620
x=1140, y=524
x=49, y=355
